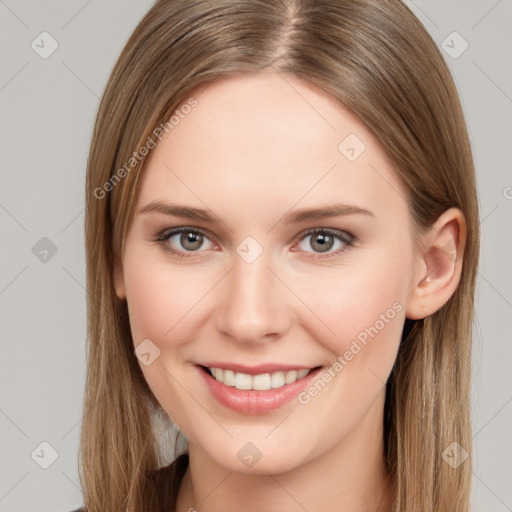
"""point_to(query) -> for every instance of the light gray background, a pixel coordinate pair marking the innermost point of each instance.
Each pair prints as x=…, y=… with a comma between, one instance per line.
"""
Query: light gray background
x=47, y=109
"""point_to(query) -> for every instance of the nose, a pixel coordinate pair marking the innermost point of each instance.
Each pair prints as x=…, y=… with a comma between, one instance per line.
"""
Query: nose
x=253, y=302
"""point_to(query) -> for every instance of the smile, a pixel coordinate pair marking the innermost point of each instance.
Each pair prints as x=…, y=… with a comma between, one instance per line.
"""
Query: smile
x=255, y=393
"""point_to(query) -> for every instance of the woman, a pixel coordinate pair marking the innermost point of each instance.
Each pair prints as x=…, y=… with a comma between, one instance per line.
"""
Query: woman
x=282, y=244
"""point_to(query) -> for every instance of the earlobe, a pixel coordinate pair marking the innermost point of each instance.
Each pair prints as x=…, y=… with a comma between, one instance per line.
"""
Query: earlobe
x=438, y=274
x=118, y=278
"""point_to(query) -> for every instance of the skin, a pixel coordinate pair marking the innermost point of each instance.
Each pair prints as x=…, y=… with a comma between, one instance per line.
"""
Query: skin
x=256, y=147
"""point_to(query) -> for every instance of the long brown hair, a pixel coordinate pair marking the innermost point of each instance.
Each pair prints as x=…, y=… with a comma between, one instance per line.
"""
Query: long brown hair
x=376, y=58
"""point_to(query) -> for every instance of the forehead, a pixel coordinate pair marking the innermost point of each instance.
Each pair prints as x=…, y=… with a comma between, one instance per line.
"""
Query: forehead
x=269, y=138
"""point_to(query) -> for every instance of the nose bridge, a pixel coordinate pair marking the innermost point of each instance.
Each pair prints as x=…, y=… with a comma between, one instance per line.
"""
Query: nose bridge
x=252, y=304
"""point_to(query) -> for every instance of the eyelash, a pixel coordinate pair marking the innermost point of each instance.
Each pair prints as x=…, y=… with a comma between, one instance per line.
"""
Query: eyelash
x=346, y=238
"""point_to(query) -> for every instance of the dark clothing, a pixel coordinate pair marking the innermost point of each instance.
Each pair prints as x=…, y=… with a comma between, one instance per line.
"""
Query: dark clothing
x=166, y=493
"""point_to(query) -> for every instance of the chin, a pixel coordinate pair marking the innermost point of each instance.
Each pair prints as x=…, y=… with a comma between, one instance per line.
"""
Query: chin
x=259, y=458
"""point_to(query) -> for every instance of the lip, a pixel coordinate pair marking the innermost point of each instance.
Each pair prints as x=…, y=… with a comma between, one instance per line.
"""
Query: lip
x=254, y=401
x=257, y=369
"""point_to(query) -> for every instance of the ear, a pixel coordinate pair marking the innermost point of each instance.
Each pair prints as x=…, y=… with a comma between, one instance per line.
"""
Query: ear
x=439, y=266
x=118, y=278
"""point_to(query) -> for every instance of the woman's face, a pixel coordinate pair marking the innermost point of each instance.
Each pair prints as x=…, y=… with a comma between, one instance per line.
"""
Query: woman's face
x=268, y=282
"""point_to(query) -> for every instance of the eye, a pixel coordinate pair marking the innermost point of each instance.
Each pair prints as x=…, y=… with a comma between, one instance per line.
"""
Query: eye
x=183, y=242
x=322, y=240
x=191, y=240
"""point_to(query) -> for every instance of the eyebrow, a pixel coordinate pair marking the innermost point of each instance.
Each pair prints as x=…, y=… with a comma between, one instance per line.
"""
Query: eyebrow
x=295, y=217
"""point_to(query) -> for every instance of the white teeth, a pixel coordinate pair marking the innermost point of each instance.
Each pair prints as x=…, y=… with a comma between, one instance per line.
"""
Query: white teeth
x=228, y=377
x=277, y=379
x=261, y=382
x=243, y=381
x=290, y=377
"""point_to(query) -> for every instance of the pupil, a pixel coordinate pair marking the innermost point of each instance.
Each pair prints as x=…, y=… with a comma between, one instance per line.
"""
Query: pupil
x=191, y=238
x=323, y=241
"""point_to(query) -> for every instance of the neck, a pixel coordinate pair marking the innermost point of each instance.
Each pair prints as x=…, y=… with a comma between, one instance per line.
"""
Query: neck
x=350, y=476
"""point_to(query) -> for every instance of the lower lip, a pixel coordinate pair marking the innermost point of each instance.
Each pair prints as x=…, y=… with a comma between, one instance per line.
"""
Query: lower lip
x=251, y=401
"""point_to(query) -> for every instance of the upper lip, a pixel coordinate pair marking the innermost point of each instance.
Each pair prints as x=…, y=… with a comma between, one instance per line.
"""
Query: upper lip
x=257, y=369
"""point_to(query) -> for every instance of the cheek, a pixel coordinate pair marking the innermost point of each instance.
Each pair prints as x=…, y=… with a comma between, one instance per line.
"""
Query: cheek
x=161, y=303
x=364, y=306
x=159, y=298
x=361, y=308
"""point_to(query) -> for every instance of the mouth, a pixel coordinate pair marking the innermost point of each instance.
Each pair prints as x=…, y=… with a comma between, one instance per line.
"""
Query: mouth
x=259, y=382
x=255, y=393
